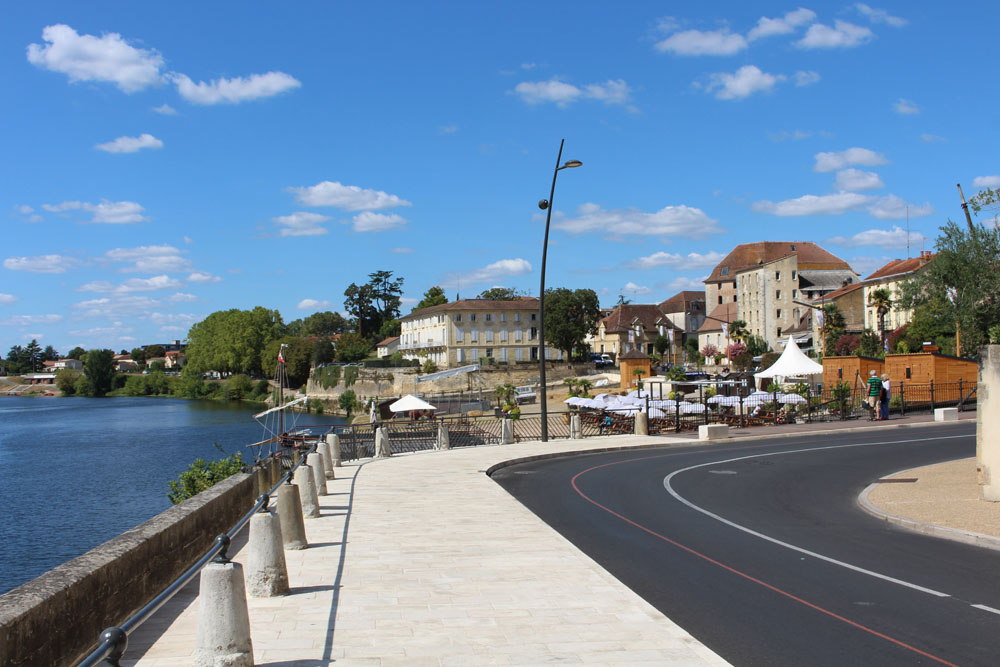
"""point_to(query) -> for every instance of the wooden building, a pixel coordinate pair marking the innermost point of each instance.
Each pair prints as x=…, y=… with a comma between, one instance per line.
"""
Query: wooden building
x=630, y=362
x=846, y=369
x=922, y=367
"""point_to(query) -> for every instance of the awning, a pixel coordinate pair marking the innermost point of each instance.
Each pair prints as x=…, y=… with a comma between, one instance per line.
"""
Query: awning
x=410, y=402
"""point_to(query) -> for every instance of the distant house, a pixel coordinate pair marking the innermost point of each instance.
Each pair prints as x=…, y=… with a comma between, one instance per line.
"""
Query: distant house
x=125, y=364
x=387, y=348
x=39, y=378
x=153, y=360
x=891, y=278
x=174, y=359
x=67, y=364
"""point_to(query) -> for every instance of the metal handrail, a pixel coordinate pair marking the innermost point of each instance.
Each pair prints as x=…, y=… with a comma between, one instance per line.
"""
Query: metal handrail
x=114, y=640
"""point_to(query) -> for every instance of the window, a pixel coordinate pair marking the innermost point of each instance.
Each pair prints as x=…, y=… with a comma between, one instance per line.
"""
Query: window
x=489, y=318
x=720, y=299
x=793, y=275
x=725, y=271
x=734, y=298
x=459, y=356
x=534, y=316
x=503, y=354
x=458, y=317
x=474, y=335
x=472, y=317
x=503, y=317
x=649, y=348
x=474, y=354
x=534, y=354
x=777, y=275
x=517, y=335
x=779, y=332
x=533, y=333
x=779, y=315
x=777, y=294
x=489, y=353
x=459, y=336
x=792, y=247
x=517, y=317
x=518, y=353
x=793, y=293
x=503, y=335
x=489, y=336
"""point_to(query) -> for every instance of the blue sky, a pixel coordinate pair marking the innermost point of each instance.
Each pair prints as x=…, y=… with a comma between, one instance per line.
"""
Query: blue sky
x=164, y=161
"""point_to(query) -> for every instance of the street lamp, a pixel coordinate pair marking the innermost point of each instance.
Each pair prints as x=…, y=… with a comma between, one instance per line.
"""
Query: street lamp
x=546, y=204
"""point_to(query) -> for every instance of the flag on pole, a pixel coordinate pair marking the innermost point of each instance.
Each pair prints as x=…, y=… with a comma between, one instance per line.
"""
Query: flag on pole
x=281, y=356
x=670, y=335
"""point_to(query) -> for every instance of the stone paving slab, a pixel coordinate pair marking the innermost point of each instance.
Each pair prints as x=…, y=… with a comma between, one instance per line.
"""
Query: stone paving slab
x=422, y=559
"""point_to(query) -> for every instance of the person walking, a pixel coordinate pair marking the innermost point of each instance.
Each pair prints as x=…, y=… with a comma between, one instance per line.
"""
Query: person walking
x=884, y=402
x=874, y=394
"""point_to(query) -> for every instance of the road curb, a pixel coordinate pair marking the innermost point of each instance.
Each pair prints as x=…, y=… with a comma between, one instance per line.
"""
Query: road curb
x=934, y=530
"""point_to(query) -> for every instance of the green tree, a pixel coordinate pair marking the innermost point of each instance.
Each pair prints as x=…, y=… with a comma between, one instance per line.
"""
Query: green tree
x=501, y=294
x=347, y=402
x=834, y=326
x=429, y=367
x=432, y=297
x=738, y=331
x=691, y=350
x=963, y=281
x=238, y=387
x=298, y=355
x=154, y=351
x=375, y=302
x=49, y=353
x=33, y=355
x=881, y=300
x=352, y=347
x=661, y=345
x=138, y=355
x=66, y=381
x=233, y=341
x=570, y=316
x=324, y=324
x=389, y=329
x=870, y=345
x=203, y=474
x=756, y=345
x=99, y=369
x=77, y=353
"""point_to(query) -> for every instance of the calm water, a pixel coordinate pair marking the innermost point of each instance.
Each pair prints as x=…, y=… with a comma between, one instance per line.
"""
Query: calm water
x=75, y=472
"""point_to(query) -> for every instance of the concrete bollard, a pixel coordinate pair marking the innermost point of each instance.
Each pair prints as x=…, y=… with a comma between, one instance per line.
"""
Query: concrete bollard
x=263, y=473
x=306, y=481
x=382, y=443
x=267, y=575
x=315, y=461
x=713, y=431
x=324, y=450
x=506, y=432
x=641, y=423
x=223, y=636
x=946, y=414
x=443, y=439
x=293, y=527
x=334, y=440
x=575, y=427
x=276, y=470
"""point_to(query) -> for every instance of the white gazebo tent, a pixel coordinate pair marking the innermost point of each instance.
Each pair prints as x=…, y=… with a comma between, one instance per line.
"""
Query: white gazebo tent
x=410, y=402
x=792, y=363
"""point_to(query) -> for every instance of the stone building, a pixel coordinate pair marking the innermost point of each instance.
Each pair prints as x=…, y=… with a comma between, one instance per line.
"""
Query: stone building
x=632, y=327
x=891, y=277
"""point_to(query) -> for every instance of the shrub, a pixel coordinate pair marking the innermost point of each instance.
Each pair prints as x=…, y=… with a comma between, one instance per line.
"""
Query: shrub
x=203, y=474
x=238, y=387
x=347, y=402
x=431, y=367
x=350, y=376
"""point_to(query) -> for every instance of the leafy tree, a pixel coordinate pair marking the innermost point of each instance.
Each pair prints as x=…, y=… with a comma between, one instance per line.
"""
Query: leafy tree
x=389, y=329
x=870, y=345
x=676, y=374
x=932, y=322
x=584, y=385
x=203, y=474
x=347, y=402
x=691, y=348
x=325, y=324
x=502, y=294
x=767, y=360
x=505, y=394
x=834, y=326
x=432, y=297
x=157, y=366
x=77, y=353
x=738, y=330
x=429, y=367
x=49, y=353
x=138, y=355
x=99, y=369
x=846, y=345
x=154, y=351
x=191, y=384
x=570, y=316
x=375, y=302
x=756, y=345
x=238, y=387
x=323, y=352
x=233, y=341
x=66, y=381
x=881, y=300
x=298, y=355
x=352, y=347
x=661, y=345
x=962, y=281
x=32, y=356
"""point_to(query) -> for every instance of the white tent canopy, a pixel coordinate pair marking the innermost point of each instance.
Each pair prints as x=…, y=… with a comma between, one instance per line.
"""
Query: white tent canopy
x=410, y=402
x=791, y=363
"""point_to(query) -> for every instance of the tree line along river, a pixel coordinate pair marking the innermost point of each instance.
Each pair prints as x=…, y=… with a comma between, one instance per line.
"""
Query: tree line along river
x=76, y=472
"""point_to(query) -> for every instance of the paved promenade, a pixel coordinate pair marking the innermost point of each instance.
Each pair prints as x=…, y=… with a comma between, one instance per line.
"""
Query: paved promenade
x=421, y=559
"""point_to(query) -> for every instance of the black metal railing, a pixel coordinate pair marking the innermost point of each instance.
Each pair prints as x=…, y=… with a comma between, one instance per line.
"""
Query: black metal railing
x=114, y=640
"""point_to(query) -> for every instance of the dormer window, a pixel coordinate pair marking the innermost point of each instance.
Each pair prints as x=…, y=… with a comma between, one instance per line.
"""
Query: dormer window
x=725, y=270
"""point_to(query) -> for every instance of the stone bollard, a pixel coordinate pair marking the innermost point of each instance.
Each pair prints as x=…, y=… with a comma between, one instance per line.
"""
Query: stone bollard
x=315, y=461
x=223, y=636
x=334, y=440
x=575, y=427
x=293, y=527
x=641, y=423
x=506, y=432
x=443, y=439
x=382, y=443
x=324, y=450
x=267, y=575
x=263, y=474
x=306, y=481
x=276, y=471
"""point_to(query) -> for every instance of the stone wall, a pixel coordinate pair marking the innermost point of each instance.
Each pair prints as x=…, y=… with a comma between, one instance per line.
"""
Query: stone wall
x=988, y=422
x=56, y=619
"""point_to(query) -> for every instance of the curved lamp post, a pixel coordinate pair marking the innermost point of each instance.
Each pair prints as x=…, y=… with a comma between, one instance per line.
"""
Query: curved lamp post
x=547, y=204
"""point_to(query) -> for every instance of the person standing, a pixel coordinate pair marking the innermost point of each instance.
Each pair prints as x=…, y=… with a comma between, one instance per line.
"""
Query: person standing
x=874, y=394
x=884, y=403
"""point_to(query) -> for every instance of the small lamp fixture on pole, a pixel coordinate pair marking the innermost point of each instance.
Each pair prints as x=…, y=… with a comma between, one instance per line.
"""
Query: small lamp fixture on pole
x=546, y=204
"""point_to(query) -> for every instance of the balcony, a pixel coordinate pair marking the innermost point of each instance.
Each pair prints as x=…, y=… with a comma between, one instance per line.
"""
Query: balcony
x=423, y=344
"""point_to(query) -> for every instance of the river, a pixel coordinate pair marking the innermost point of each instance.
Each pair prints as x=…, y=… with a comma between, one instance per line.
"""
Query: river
x=76, y=472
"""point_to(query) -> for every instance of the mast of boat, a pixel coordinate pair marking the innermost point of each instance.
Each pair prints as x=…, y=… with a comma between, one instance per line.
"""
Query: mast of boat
x=281, y=387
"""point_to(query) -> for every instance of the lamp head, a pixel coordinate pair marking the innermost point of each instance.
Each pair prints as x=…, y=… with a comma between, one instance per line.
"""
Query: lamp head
x=543, y=204
x=571, y=164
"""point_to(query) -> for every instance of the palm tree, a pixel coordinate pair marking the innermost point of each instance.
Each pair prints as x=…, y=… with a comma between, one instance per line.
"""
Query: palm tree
x=571, y=385
x=881, y=301
x=738, y=330
x=584, y=386
x=505, y=394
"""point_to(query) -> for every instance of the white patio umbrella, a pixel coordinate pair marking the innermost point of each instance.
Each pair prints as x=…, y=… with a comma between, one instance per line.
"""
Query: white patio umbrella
x=791, y=399
x=574, y=400
x=692, y=408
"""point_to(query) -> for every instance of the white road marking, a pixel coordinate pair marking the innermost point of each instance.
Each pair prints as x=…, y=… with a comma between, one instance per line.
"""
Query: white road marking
x=832, y=561
x=985, y=608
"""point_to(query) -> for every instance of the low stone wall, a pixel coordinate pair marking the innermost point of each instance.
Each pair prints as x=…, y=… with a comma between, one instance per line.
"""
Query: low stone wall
x=56, y=619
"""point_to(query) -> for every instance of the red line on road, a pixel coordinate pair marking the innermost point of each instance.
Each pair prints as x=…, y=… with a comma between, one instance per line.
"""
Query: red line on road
x=734, y=570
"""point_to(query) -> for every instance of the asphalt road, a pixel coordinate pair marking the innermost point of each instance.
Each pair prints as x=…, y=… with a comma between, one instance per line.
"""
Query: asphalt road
x=760, y=550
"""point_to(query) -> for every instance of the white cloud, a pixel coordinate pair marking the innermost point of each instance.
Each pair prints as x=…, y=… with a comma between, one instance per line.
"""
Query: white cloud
x=366, y=221
x=865, y=266
x=173, y=328
x=892, y=207
x=346, y=197
x=402, y=250
x=855, y=179
x=932, y=138
x=447, y=129
x=683, y=283
x=861, y=156
x=41, y=264
x=786, y=135
x=166, y=110
x=905, y=107
x=528, y=65
x=613, y=91
x=186, y=319
x=834, y=204
x=102, y=332
x=492, y=273
x=111, y=212
x=746, y=81
x=301, y=223
x=806, y=78
x=181, y=297
x=986, y=182
x=888, y=239
x=202, y=278
x=680, y=220
x=28, y=320
x=879, y=15
x=130, y=144
x=24, y=209
x=313, y=304
x=782, y=26
x=699, y=43
x=235, y=90
x=843, y=35
x=692, y=260
x=7, y=299
x=116, y=305
x=132, y=285
x=106, y=58
x=632, y=288
x=149, y=259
